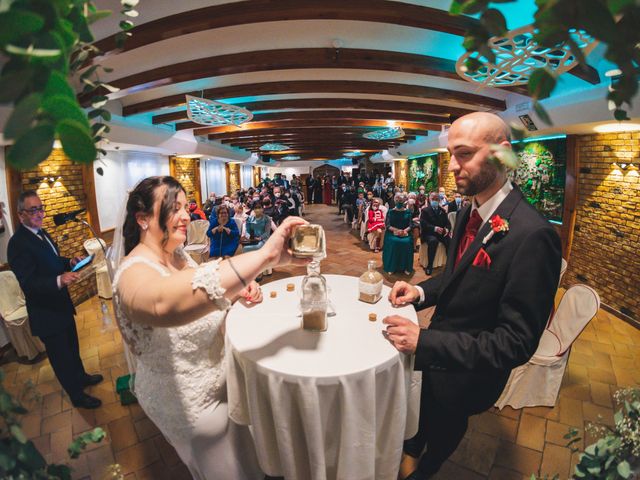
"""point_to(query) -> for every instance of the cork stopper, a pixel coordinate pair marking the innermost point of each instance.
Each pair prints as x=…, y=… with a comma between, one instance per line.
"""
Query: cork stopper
x=290, y=287
x=273, y=294
x=373, y=317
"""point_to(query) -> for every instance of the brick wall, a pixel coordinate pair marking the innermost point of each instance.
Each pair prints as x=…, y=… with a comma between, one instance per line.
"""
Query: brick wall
x=401, y=170
x=186, y=172
x=233, y=176
x=604, y=252
x=445, y=178
x=66, y=194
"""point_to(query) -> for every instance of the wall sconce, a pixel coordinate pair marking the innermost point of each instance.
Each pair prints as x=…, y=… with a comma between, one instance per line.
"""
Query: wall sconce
x=623, y=166
x=48, y=181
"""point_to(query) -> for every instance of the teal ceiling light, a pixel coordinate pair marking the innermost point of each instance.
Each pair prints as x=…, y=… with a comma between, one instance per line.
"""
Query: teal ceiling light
x=385, y=134
x=210, y=112
x=518, y=55
x=353, y=154
x=291, y=157
x=273, y=147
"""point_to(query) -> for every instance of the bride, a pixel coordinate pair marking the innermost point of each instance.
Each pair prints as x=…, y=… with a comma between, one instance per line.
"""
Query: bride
x=171, y=314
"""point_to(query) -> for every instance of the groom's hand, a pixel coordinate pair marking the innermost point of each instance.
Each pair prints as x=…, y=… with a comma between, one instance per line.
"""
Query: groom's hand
x=403, y=293
x=402, y=333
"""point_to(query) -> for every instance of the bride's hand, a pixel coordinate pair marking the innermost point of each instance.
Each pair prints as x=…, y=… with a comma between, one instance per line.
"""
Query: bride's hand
x=277, y=247
x=252, y=293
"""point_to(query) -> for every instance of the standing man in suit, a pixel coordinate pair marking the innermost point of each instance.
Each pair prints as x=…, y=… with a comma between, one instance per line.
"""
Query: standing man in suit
x=44, y=277
x=492, y=300
x=455, y=204
x=434, y=228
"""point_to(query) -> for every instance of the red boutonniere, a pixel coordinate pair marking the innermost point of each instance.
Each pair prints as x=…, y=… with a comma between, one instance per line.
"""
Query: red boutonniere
x=498, y=225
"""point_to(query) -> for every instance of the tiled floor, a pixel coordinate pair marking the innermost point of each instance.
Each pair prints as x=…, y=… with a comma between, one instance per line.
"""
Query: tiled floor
x=511, y=444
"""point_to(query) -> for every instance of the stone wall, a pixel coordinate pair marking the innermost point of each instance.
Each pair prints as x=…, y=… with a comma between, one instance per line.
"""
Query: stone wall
x=186, y=171
x=65, y=193
x=446, y=179
x=604, y=252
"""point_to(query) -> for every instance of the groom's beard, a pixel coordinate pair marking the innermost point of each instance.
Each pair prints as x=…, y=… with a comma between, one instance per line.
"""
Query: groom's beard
x=480, y=182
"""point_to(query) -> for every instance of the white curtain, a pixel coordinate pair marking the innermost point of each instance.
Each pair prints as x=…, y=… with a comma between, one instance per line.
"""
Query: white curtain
x=121, y=172
x=215, y=178
x=246, y=176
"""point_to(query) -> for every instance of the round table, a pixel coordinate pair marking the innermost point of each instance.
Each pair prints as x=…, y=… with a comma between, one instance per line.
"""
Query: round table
x=322, y=405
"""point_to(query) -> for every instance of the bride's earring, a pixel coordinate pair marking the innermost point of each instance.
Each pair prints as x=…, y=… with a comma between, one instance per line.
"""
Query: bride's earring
x=144, y=226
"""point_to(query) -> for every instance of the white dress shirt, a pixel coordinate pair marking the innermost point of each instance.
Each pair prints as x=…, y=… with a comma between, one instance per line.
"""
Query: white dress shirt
x=485, y=211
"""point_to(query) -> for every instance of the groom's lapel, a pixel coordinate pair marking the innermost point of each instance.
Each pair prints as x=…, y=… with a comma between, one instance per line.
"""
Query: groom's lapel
x=504, y=210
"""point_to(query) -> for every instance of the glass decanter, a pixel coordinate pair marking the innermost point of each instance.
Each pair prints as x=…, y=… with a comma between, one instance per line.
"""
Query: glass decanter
x=370, y=284
x=315, y=302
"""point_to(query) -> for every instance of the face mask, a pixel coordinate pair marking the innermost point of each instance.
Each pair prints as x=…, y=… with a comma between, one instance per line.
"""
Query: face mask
x=411, y=201
x=434, y=203
x=441, y=195
x=399, y=204
x=458, y=201
x=375, y=207
x=277, y=195
x=421, y=191
x=369, y=197
x=257, y=213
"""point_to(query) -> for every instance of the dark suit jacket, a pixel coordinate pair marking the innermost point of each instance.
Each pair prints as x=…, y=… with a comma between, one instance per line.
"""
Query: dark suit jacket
x=429, y=220
x=452, y=206
x=489, y=321
x=37, y=266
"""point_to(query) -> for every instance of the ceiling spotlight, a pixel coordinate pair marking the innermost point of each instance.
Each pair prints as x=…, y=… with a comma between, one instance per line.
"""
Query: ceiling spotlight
x=291, y=157
x=354, y=153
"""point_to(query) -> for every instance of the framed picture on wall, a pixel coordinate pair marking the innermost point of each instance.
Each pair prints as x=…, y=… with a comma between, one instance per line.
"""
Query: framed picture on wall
x=423, y=170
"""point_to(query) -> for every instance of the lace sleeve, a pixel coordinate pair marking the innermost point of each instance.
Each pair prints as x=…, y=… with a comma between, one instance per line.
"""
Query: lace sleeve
x=207, y=277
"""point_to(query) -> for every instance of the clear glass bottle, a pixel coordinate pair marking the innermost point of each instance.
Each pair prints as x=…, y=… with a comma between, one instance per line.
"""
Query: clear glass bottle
x=370, y=284
x=308, y=241
x=315, y=302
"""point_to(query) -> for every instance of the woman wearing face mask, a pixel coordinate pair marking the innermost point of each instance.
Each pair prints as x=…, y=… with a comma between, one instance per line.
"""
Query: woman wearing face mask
x=171, y=313
x=224, y=234
x=397, y=253
x=412, y=206
x=375, y=225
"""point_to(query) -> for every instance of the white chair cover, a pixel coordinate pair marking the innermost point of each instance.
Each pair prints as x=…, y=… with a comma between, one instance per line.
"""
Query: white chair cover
x=197, y=241
x=537, y=382
x=13, y=311
x=363, y=225
x=92, y=246
x=563, y=270
x=452, y=220
x=438, y=261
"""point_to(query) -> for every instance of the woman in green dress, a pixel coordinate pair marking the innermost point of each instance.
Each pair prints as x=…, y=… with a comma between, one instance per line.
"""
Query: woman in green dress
x=397, y=253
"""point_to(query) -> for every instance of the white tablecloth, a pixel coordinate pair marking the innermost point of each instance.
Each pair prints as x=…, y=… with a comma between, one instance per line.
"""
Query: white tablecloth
x=327, y=405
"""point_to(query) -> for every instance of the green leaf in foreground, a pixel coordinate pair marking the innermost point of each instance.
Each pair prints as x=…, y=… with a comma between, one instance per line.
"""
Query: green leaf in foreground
x=61, y=107
x=58, y=85
x=76, y=140
x=541, y=83
x=22, y=116
x=32, y=147
x=542, y=113
x=12, y=84
x=16, y=23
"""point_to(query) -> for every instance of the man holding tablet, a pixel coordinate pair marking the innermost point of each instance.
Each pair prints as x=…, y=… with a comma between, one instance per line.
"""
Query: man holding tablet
x=44, y=277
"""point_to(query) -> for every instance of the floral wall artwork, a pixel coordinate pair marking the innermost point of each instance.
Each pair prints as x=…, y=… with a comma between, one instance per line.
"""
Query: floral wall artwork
x=423, y=170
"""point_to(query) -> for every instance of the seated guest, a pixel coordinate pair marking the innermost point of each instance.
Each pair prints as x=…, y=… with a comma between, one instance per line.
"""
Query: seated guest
x=421, y=198
x=347, y=202
x=397, y=253
x=224, y=234
x=442, y=197
x=415, y=218
x=196, y=213
x=209, y=205
x=455, y=204
x=434, y=228
x=388, y=198
x=361, y=204
x=375, y=225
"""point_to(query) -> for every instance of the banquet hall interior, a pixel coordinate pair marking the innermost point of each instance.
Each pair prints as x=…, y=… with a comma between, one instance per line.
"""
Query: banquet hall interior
x=229, y=97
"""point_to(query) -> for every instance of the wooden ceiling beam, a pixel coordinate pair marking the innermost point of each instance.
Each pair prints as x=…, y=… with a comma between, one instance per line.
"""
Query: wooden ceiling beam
x=258, y=11
x=322, y=86
x=286, y=59
x=288, y=132
x=313, y=123
x=332, y=103
x=333, y=114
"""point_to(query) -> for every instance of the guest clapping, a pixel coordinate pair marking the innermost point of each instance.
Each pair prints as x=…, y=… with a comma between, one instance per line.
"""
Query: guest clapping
x=224, y=234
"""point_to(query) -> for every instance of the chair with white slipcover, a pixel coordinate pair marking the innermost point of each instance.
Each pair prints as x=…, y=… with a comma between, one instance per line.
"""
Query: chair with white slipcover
x=537, y=382
x=103, y=281
x=13, y=311
x=197, y=241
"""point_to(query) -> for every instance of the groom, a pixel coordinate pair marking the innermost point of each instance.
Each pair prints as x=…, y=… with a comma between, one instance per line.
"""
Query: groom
x=492, y=300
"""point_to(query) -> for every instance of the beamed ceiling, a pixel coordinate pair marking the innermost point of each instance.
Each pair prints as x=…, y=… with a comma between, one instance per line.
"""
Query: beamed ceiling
x=316, y=74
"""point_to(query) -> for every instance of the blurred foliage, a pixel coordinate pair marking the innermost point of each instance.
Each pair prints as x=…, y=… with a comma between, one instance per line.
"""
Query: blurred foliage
x=615, y=23
x=47, y=45
x=19, y=458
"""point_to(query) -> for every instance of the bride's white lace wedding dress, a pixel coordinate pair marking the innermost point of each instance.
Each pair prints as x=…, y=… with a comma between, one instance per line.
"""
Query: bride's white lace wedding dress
x=180, y=382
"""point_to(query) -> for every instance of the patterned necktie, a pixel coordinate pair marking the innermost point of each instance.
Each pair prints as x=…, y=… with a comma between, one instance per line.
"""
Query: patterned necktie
x=470, y=232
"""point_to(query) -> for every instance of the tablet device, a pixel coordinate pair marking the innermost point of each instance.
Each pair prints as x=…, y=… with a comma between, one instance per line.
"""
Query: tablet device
x=83, y=263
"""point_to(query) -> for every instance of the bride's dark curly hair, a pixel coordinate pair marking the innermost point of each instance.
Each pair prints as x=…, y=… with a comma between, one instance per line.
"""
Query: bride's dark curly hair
x=141, y=200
